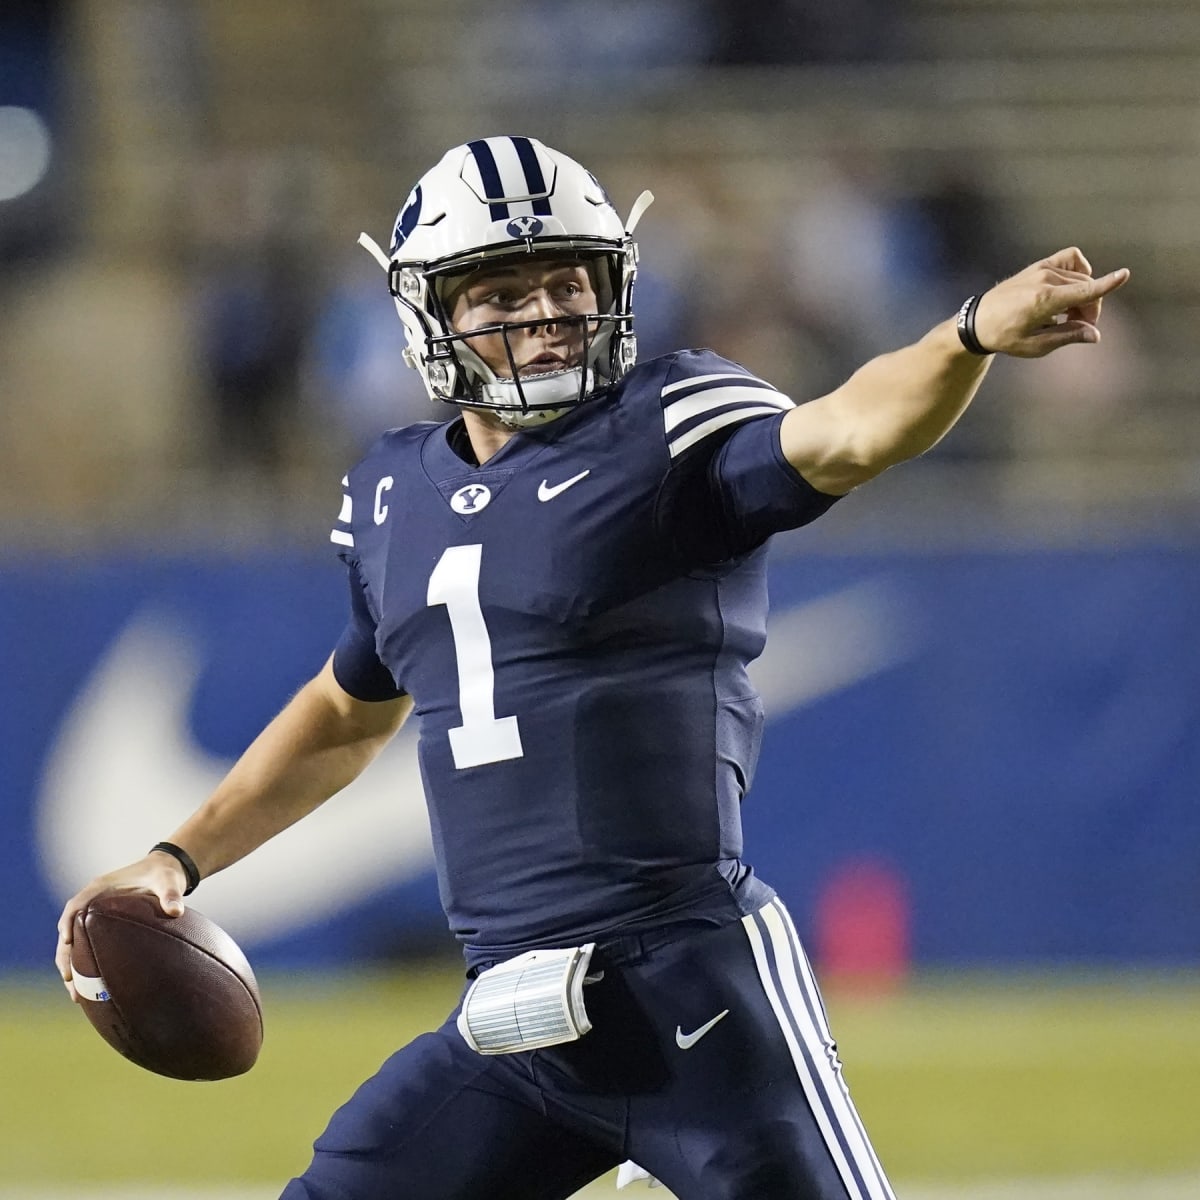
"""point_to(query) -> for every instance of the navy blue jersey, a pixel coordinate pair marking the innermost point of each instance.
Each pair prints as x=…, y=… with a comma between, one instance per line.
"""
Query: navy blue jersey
x=573, y=620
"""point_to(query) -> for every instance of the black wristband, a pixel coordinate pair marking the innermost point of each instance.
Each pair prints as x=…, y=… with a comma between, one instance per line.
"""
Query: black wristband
x=185, y=861
x=965, y=323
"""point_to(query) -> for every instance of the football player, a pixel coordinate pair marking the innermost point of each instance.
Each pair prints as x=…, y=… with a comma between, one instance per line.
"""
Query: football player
x=566, y=582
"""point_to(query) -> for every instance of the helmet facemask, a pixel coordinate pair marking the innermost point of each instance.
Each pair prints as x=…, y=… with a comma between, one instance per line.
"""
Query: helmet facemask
x=533, y=397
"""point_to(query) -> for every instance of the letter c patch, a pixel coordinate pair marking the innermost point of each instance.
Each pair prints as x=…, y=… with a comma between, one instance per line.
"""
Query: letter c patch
x=381, y=509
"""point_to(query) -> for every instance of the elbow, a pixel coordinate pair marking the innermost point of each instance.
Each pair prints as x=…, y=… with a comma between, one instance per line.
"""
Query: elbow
x=837, y=451
x=862, y=461
x=847, y=468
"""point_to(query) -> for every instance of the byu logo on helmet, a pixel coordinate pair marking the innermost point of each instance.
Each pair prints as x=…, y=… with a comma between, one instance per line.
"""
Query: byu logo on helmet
x=524, y=227
x=406, y=222
x=470, y=499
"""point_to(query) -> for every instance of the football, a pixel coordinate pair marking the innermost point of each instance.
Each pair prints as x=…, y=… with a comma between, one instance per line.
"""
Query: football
x=174, y=995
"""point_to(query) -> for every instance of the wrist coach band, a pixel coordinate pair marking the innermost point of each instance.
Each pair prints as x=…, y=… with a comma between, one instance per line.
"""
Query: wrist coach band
x=185, y=861
x=965, y=323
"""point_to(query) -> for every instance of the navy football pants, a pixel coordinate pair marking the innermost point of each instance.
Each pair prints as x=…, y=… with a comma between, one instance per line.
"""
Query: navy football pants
x=752, y=1107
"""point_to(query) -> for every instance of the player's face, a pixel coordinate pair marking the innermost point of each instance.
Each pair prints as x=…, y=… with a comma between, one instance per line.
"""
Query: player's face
x=536, y=291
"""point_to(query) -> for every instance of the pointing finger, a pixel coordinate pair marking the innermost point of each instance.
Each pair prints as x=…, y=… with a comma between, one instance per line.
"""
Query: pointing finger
x=1084, y=294
x=1113, y=280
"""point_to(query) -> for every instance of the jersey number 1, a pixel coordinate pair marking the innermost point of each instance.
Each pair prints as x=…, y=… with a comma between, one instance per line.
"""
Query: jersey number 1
x=482, y=737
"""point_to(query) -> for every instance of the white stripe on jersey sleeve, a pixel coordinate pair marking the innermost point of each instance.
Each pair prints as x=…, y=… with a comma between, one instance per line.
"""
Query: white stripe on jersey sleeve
x=733, y=417
x=678, y=411
x=343, y=537
x=696, y=380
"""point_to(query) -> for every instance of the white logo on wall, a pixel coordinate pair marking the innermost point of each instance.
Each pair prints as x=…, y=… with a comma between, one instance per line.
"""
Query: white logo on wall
x=471, y=499
x=125, y=769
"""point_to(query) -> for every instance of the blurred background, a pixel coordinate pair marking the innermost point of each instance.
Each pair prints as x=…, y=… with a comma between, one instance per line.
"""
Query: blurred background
x=979, y=787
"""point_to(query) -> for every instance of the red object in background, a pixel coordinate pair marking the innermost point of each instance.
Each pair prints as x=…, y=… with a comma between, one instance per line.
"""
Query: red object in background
x=863, y=923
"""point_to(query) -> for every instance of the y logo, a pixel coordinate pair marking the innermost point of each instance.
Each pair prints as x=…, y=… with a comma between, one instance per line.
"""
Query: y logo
x=471, y=499
x=523, y=227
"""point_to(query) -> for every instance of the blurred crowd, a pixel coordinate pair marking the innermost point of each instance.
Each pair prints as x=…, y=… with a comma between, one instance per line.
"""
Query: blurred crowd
x=254, y=346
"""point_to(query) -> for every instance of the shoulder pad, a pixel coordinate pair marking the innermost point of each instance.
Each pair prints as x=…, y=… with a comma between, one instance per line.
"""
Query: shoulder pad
x=380, y=458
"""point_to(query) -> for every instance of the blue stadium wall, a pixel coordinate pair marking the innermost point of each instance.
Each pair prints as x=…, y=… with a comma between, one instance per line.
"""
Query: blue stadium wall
x=1009, y=741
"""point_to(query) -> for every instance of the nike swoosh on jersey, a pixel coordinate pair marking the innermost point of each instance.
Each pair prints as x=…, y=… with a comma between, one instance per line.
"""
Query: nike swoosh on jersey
x=685, y=1041
x=546, y=492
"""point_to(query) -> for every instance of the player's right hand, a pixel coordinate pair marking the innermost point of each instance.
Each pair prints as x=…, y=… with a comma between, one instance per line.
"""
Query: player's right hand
x=158, y=874
x=1054, y=302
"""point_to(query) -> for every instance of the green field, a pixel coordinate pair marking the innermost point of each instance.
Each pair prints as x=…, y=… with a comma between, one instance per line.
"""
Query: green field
x=960, y=1079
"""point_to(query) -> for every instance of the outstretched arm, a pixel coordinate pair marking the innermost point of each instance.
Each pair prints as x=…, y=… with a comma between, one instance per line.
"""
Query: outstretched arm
x=321, y=741
x=900, y=404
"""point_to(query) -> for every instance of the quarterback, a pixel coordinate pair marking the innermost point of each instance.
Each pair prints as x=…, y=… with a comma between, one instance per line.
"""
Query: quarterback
x=565, y=584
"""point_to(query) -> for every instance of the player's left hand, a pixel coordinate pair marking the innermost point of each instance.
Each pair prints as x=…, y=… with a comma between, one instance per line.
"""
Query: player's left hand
x=1050, y=304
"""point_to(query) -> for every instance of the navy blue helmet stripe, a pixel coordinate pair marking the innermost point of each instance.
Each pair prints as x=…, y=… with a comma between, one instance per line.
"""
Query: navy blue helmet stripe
x=534, y=179
x=489, y=173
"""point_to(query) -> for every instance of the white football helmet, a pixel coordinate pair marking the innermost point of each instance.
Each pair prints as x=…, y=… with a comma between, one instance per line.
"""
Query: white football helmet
x=495, y=200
